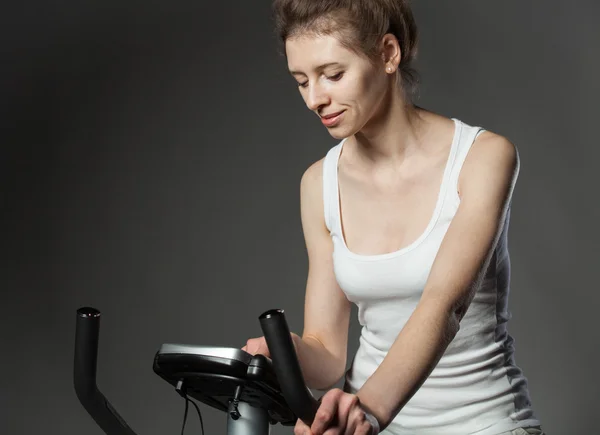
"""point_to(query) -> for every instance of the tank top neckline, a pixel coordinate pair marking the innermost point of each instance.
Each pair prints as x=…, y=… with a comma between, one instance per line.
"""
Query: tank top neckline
x=433, y=220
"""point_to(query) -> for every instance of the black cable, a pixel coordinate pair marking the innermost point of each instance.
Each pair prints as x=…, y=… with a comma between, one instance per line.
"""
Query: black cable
x=181, y=390
x=185, y=414
x=199, y=414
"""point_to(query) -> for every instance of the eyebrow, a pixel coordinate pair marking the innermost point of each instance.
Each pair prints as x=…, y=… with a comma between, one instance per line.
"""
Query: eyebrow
x=319, y=68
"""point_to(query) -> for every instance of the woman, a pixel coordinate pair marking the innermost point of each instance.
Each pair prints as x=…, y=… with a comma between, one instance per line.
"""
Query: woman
x=406, y=217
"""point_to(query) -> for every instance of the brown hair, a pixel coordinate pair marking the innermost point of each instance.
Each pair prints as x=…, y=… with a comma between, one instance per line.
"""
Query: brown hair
x=358, y=24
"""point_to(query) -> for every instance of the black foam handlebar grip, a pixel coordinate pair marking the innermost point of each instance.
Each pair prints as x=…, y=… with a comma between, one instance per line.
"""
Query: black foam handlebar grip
x=286, y=365
x=84, y=374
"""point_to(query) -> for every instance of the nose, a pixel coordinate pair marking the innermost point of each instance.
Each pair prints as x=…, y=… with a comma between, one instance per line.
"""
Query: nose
x=316, y=97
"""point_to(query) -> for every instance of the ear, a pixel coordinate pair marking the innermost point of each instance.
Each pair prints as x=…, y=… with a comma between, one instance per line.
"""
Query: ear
x=390, y=51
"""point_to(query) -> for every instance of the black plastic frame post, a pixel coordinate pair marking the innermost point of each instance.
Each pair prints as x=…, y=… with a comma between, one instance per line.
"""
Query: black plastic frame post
x=84, y=374
x=286, y=365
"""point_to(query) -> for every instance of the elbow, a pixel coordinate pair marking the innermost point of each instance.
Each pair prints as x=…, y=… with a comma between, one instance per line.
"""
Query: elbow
x=329, y=378
x=453, y=322
x=340, y=375
x=449, y=328
x=449, y=320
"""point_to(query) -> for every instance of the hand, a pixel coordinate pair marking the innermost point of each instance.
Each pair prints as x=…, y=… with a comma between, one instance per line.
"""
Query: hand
x=339, y=414
x=256, y=346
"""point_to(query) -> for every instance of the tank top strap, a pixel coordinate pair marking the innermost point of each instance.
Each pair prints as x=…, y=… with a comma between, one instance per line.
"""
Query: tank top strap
x=330, y=186
x=468, y=134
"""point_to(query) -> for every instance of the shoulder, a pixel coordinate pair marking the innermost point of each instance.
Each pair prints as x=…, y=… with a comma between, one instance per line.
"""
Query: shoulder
x=492, y=160
x=311, y=185
x=312, y=207
x=492, y=146
x=313, y=174
x=311, y=182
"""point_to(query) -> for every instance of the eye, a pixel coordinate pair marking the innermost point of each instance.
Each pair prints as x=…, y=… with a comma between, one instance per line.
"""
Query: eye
x=336, y=77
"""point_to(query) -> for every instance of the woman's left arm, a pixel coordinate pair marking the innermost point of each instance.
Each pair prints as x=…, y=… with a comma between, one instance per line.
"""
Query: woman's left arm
x=486, y=183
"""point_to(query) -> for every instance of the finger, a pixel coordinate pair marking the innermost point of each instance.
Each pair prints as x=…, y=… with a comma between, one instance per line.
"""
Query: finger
x=301, y=428
x=365, y=428
x=260, y=347
x=356, y=418
x=347, y=404
x=255, y=346
x=327, y=412
x=248, y=346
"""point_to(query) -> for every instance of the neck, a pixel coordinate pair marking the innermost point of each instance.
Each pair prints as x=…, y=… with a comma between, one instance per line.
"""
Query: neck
x=393, y=134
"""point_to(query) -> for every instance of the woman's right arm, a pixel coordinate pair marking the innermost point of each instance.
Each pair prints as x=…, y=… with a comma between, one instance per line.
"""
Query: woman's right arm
x=323, y=346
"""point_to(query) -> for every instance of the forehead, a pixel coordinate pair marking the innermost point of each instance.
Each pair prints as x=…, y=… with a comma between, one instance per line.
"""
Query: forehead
x=309, y=53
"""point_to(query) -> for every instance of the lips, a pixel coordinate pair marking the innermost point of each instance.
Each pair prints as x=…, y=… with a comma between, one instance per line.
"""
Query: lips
x=332, y=115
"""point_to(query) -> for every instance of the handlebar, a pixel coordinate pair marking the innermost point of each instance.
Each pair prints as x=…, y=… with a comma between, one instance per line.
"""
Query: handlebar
x=286, y=365
x=84, y=374
x=278, y=338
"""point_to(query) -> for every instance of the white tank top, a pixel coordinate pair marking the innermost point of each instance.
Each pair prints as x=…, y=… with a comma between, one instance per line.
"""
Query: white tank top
x=476, y=388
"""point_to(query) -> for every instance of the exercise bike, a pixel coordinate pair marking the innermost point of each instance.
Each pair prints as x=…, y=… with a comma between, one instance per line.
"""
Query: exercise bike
x=256, y=392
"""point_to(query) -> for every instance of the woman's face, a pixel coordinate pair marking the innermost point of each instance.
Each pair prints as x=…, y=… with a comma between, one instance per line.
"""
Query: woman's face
x=333, y=79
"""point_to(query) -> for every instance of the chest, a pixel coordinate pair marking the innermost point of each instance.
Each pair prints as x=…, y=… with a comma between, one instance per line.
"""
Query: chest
x=388, y=214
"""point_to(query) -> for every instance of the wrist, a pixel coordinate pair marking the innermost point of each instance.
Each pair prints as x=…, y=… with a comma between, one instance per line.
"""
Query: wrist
x=378, y=419
x=373, y=422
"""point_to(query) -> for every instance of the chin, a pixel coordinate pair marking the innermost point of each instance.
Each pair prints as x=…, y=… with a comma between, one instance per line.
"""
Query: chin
x=340, y=132
x=337, y=135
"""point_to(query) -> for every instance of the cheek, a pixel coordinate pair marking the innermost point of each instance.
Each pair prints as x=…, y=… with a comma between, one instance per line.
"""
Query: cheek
x=369, y=84
x=364, y=94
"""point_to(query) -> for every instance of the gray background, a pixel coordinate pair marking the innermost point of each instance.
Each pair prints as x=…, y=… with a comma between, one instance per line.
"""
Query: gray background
x=150, y=166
